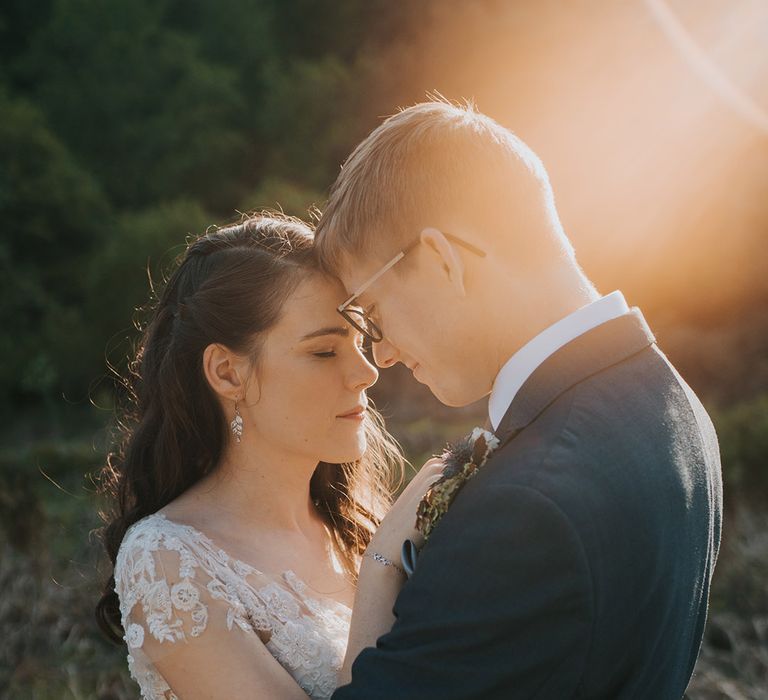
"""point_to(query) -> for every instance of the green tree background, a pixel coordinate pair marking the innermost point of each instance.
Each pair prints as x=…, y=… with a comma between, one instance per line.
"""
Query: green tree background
x=128, y=125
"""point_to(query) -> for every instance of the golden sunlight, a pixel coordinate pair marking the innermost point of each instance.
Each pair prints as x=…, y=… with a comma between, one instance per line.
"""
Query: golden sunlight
x=651, y=118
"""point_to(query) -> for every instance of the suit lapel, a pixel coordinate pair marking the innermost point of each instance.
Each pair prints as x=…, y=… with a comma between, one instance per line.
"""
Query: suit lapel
x=603, y=346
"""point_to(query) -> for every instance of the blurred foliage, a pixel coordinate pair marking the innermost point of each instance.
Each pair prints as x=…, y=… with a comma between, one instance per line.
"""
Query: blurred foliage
x=743, y=434
x=51, y=209
x=144, y=112
x=51, y=647
x=127, y=126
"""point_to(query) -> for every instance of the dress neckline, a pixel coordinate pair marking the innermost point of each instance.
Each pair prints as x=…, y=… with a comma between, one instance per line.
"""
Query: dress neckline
x=216, y=547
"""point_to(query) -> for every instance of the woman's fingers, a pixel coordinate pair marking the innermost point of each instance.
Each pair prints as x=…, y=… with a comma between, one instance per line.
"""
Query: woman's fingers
x=429, y=474
x=432, y=470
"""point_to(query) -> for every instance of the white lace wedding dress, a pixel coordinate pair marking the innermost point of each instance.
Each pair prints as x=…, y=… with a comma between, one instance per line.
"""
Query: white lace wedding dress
x=175, y=585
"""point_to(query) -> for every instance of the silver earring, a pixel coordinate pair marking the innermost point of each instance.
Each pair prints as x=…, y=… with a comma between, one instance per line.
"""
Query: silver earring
x=237, y=424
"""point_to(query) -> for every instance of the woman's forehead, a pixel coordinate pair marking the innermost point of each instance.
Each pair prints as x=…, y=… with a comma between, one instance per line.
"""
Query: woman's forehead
x=312, y=305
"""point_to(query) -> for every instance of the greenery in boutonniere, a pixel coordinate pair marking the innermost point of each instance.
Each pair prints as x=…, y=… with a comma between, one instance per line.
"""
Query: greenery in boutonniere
x=462, y=460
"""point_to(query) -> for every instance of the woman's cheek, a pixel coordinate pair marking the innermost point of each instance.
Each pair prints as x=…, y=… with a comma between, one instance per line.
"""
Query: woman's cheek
x=313, y=394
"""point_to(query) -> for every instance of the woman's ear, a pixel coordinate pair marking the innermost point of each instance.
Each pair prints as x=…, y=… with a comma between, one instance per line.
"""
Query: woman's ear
x=223, y=370
x=448, y=258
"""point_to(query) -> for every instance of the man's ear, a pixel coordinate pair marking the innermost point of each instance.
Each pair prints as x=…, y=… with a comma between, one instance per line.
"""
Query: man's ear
x=223, y=370
x=449, y=259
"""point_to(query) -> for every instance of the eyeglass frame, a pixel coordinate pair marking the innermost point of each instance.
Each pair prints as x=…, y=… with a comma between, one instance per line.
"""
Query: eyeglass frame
x=342, y=308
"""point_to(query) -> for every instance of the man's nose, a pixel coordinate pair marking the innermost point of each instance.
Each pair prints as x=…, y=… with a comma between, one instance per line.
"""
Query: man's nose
x=384, y=353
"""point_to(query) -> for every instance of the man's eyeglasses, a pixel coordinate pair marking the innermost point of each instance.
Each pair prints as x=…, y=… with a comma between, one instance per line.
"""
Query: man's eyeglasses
x=359, y=319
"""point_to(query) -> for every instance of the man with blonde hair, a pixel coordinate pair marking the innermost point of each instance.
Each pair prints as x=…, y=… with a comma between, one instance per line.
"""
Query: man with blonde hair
x=576, y=563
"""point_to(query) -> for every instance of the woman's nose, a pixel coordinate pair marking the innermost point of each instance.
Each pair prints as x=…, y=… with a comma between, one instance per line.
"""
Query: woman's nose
x=365, y=374
x=384, y=353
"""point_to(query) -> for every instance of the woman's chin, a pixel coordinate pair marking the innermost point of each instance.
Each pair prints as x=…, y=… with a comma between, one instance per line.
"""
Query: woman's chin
x=350, y=452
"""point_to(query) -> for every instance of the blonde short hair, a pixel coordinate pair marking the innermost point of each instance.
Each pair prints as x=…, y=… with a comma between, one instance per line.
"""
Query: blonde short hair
x=439, y=164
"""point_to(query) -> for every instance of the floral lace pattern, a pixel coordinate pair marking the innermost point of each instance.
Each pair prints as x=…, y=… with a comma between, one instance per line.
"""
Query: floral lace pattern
x=168, y=575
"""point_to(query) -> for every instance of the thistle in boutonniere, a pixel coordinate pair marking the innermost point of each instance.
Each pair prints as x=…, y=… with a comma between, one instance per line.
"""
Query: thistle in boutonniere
x=462, y=460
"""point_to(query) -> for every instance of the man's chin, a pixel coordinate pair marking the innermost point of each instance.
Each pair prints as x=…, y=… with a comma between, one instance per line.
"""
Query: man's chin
x=445, y=397
x=454, y=399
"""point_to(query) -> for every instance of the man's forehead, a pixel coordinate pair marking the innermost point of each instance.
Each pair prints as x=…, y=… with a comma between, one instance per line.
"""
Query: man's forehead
x=356, y=273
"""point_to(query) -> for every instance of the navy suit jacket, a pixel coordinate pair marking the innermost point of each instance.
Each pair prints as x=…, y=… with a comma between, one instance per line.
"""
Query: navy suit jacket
x=577, y=562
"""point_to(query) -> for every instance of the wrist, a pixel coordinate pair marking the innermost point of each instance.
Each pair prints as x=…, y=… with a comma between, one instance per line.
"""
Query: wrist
x=380, y=560
x=386, y=546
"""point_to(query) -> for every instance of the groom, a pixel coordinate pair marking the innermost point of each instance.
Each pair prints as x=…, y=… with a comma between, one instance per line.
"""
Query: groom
x=577, y=562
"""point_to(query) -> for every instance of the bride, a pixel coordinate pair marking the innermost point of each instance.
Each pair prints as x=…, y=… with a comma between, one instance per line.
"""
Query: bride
x=248, y=493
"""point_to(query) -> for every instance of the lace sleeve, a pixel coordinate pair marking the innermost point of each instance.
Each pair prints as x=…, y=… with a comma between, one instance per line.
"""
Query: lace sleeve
x=187, y=630
x=162, y=598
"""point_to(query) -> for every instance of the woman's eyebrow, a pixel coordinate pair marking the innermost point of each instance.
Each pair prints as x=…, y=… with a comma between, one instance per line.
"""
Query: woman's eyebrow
x=337, y=330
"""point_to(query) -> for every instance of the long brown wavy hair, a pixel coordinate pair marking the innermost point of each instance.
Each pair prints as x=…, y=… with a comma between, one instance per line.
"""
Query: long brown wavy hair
x=228, y=287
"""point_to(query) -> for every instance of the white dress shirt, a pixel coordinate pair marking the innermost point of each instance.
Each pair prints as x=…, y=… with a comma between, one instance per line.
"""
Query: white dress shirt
x=523, y=363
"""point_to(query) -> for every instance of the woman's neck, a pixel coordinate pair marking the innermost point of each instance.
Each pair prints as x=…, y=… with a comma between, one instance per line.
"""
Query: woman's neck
x=263, y=489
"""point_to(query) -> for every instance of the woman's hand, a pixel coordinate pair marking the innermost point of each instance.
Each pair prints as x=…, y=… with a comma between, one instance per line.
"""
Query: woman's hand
x=400, y=522
x=377, y=585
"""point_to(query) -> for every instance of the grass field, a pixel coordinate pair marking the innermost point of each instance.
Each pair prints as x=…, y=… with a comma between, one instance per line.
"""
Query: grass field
x=50, y=648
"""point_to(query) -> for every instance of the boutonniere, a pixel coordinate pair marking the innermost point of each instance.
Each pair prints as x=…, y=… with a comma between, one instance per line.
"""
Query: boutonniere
x=462, y=461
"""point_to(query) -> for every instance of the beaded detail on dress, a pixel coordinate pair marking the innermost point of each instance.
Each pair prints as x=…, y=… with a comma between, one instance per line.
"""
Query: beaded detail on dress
x=175, y=585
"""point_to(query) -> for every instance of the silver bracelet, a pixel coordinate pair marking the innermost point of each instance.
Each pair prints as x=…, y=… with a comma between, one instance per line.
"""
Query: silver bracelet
x=383, y=560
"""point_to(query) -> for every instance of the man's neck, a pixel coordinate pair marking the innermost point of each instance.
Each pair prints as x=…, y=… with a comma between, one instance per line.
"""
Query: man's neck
x=523, y=362
x=540, y=311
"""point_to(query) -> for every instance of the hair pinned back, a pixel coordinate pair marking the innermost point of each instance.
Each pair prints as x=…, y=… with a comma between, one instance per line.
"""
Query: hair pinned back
x=228, y=287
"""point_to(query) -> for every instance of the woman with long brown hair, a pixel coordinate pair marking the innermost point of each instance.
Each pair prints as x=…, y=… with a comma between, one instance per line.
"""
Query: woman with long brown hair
x=249, y=489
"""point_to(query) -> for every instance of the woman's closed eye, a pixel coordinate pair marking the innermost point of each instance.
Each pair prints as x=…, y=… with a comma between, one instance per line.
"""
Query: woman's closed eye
x=362, y=346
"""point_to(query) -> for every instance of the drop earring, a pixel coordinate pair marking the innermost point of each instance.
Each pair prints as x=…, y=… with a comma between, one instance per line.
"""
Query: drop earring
x=237, y=424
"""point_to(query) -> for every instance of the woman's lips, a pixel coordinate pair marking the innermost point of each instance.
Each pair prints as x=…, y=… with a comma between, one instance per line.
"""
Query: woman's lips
x=356, y=414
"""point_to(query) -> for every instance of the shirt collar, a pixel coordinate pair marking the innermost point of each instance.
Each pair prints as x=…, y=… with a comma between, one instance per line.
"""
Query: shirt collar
x=523, y=363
